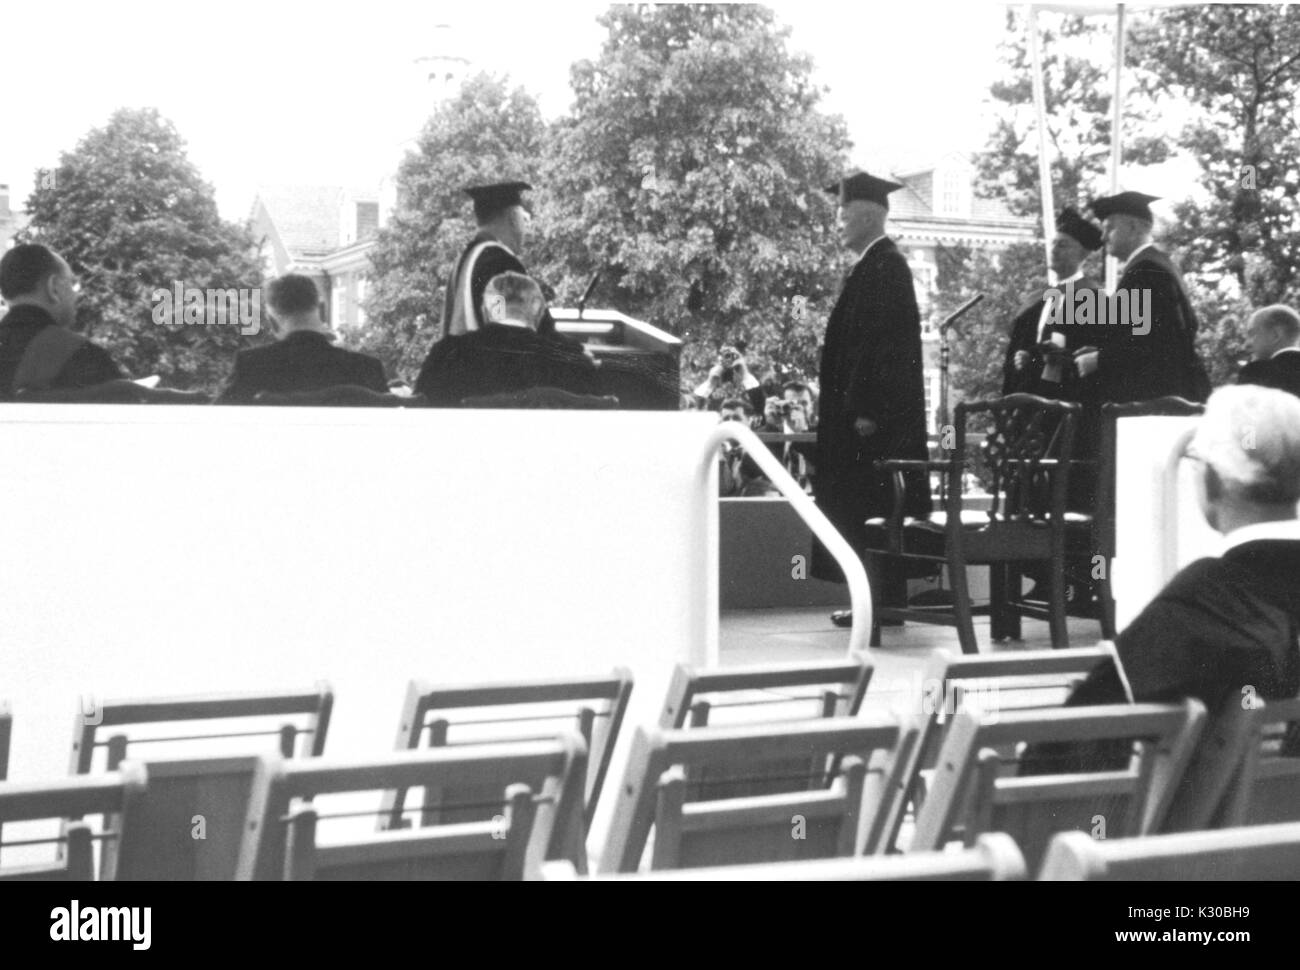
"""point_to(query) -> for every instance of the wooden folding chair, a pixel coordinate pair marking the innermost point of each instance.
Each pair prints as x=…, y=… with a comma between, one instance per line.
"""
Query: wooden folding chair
x=976, y=790
x=994, y=858
x=304, y=720
x=187, y=824
x=110, y=795
x=1245, y=771
x=766, y=690
x=814, y=811
x=499, y=712
x=1017, y=681
x=1253, y=853
x=538, y=787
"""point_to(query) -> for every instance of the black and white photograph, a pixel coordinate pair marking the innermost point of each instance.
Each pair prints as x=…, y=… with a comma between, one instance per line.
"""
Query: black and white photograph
x=683, y=442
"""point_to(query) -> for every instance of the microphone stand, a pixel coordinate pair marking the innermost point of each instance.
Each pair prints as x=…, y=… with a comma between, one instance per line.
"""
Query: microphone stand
x=945, y=414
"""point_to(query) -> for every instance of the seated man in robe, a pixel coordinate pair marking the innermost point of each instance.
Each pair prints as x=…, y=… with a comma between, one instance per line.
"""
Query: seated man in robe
x=506, y=354
x=305, y=357
x=1229, y=624
x=38, y=350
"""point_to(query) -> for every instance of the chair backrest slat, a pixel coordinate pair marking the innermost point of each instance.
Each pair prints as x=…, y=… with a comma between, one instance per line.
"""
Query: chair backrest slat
x=538, y=788
x=431, y=711
x=975, y=788
x=1255, y=852
x=994, y=857
x=663, y=764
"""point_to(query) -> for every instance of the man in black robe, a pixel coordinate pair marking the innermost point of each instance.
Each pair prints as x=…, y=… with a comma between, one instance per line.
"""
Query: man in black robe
x=1223, y=626
x=1274, y=334
x=872, y=389
x=304, y=358
x=1029, y=368
x=503, y=220
x=1152, y=351
x=505, y=354
x=38, y=350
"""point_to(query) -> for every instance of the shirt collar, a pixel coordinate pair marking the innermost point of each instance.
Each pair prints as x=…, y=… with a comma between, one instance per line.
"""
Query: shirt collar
x=1072, y=279
x=1286, y=350
x=869, y=245
x=1138, y=253
x=1287, y=530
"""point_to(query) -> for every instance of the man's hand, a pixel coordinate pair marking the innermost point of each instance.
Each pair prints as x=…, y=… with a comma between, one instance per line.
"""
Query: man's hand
x=865, y=427
x=1021, y=360
x=1086, y=360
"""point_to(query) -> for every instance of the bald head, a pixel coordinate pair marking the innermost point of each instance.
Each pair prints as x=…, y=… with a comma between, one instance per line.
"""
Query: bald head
x=1272, y=329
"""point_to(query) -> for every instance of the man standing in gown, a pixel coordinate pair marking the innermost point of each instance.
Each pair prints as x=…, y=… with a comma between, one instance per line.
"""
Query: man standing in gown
x=872, y=389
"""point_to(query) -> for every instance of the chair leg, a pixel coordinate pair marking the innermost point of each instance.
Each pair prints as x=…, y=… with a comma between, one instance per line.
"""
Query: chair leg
x=1004, y=591
x=962, y=608
x=875, y=580
x=1106, y=602
x=1056, y=605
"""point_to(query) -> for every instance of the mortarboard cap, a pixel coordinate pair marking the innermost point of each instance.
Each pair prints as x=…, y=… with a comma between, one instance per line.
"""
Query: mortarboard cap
x=1082, y=231
x=1136, y=204
x=860, y=185
x=492, y=199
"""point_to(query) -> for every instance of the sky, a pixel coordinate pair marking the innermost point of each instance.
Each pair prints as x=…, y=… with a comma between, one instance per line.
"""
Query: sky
x=282, y=91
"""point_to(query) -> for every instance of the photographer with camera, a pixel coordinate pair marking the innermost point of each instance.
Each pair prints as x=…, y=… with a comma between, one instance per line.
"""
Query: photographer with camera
x=730, y=369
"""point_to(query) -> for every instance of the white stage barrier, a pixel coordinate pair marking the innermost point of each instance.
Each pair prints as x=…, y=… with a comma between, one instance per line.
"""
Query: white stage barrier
x=168, y=550
x=1158, y=521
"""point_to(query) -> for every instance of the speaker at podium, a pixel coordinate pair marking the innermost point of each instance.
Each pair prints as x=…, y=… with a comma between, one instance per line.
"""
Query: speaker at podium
x=639, y=363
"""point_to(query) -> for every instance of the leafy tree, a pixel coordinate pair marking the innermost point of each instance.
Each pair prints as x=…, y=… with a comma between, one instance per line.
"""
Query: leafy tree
x=1238, y=66
x=129, y=212
x=488, y=132
x=691, y=172
x=1078, y=91
x=1010, y=280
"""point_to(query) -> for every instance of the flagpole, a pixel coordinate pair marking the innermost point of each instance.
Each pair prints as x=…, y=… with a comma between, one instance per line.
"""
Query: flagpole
x=1116, y=133
x=1044, y=165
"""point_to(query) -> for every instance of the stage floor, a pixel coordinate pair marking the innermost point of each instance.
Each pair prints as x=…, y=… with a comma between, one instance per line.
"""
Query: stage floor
x=790, y=635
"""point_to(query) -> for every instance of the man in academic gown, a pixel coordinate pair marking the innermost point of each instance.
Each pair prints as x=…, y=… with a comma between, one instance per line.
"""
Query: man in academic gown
x=1227, y=623
x=305, y=357
x=505, y=354
x=1135, y=359
x=1274, y=335
x=872, y=390
x=503, y=220
x=38, y=350
x=1027, y=369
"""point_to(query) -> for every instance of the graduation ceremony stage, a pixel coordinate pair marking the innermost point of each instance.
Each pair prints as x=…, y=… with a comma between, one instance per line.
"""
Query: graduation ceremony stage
x=236, y=549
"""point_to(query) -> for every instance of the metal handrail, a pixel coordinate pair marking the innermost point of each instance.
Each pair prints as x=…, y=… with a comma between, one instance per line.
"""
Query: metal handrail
x=854, y=575
x=1169, y=503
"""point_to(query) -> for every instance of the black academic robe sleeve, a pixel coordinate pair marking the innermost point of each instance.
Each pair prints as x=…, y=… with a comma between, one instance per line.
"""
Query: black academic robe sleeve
x=1024, y=336
x=447, y=376
x=88, y=366
x=374, y=377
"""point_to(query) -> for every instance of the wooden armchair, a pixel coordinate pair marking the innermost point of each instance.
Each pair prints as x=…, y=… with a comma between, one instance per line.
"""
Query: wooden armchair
x=1028, y=451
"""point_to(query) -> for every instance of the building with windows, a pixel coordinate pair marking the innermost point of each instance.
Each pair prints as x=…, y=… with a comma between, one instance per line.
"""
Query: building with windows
x=11, y=221
x=327, y=233
x=937, y=207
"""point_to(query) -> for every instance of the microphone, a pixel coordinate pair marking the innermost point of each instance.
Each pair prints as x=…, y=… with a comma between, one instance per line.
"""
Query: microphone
x=586, y=294
x=960, y=311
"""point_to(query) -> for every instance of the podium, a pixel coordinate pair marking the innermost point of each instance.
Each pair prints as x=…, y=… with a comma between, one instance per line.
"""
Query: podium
x=639, y=363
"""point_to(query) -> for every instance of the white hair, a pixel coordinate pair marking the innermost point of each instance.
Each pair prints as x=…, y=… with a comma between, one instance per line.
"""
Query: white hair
x=1250, y=436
